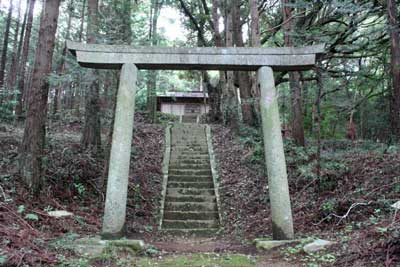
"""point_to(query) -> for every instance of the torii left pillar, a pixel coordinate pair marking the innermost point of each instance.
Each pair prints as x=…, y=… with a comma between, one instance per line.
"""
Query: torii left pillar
x=118, y=174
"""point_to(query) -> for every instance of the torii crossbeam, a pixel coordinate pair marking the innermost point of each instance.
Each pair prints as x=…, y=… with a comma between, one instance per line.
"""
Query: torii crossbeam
x=129, y=59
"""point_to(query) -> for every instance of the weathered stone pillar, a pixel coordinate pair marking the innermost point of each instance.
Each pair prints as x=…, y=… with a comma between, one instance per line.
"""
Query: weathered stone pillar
x=282, y=222
x=118, y=175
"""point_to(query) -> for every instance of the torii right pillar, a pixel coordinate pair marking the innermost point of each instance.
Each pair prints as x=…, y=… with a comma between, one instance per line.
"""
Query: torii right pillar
x=282, y=221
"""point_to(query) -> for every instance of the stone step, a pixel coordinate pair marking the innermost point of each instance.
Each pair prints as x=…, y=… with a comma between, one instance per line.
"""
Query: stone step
x=191, y=185
x=194, y=161
x=190, y=202
x=190, y=206
x=186, y=138
x=179, y=192
x=188, y=134
x=199, y=138
x=189, y=172
x=175, y=161
x=190, y=198
x=196, y=138
x=190, y=224
x=192, y=119
x=189, y=153
x=190, y=166
x=188, y=126
x=190, y=215
x=186, y=152
x=190, y=147
x=183, y=158
x=190, y=144
x=191, y=156
x=186, y=178
x=197, y=232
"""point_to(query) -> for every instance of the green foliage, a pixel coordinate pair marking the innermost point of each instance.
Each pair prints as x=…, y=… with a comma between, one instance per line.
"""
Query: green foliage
x=3, y=259
x=317, y=259
x=137, y=196
x=251, y=138
x=80, y=188
x=199, y=259
x=165, y=118
x=21, y=209
x=31, y=216
x=151, y=251
x=64, y=241
x=81, y=262
x=329, y=206
x=8, y=104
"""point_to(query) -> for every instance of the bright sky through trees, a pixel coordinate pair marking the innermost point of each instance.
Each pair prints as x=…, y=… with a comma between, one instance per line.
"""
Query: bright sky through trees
x=170, y=19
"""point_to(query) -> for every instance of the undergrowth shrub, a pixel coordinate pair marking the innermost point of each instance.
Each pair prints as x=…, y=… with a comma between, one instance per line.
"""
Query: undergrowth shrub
x=251, y=138
x=301, y=161
x=7, y=110
x=165, y=118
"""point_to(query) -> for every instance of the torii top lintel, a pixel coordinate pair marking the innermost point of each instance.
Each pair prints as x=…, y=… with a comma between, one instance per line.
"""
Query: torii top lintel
x=199, y=58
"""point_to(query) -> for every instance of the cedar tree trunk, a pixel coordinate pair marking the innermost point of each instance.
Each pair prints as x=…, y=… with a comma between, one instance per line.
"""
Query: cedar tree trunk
x=24, y=59
x=31, y=149
x=394, y=29
x=91, y=138
x=294, y=80
x=3, y=60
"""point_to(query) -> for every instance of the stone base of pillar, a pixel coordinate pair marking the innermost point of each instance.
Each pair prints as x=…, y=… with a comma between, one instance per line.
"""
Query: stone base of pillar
x=113, y=236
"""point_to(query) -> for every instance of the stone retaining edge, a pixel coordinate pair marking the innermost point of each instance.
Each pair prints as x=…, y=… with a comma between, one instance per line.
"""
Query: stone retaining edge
x=214, y=172
x=165, y=167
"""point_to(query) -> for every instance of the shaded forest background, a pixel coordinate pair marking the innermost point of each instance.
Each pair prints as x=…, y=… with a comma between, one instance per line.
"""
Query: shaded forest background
x=353, y=92
x=340, y=120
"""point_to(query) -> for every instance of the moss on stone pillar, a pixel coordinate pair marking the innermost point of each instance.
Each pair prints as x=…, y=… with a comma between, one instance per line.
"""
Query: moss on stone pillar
x=282, y=222
x=118, y=176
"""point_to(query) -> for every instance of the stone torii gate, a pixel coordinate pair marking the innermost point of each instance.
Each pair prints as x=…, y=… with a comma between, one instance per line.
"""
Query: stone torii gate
x=129, y=59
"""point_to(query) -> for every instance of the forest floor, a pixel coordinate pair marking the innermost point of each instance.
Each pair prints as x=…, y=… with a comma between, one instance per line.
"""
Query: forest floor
x=348, y=204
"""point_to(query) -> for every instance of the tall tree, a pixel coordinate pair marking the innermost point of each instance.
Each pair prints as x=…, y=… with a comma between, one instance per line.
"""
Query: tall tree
x=254, y=24
x=199, y=14
x=15, y=52
x=32, y=146
x=61, y=66
x=155, y=8
x=229, y=99
x=255, y=42
x=294, y=78
x=3, y=59
x=242, y=76
x=394, y=30
x=91, y=138
x=24, y=60
x=215, y=24
x=80, y=35
x=72, y=95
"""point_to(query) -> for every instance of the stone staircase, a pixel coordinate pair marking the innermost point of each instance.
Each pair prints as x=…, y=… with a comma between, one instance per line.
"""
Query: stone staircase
x=189, y=118
x=190, y=206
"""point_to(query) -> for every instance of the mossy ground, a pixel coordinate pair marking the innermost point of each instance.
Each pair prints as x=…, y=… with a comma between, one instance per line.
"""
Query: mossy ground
x=199, y=259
